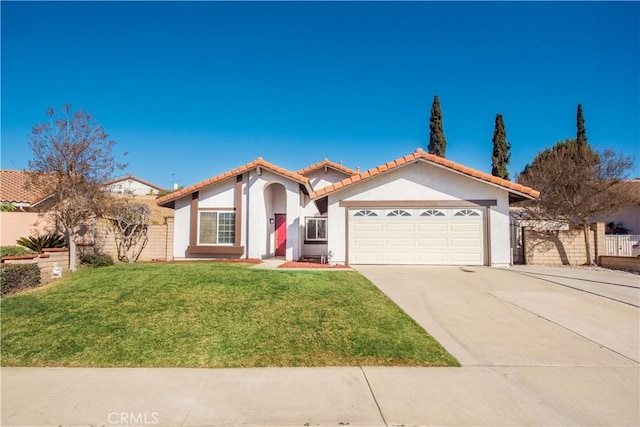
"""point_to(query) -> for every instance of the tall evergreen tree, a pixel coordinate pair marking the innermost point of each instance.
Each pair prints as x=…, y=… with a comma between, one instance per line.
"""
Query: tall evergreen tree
x=437, y=141
x=501, y=147
x=581, y=138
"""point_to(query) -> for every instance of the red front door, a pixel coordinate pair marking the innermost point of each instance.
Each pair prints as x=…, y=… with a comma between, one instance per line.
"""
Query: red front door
x=281, y=234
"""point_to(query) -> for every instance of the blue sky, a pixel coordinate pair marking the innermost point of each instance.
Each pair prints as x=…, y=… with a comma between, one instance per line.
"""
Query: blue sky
x=193, y=89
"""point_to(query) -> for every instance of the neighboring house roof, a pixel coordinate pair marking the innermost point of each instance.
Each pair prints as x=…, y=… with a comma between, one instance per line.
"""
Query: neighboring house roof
x=327, y=163
x=259, y=162
x=632, y=186
x=15, y=189
x=421, y=155
x=134, y=178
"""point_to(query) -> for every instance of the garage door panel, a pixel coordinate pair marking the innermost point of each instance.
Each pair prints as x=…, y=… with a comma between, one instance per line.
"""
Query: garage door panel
x=400, y=241
x=400, y=257
x=465, y=243
x=432, y=250
x=435, y=227
x=365, y=242
x=435, y=240
x=374, y=227
x=433, y=243
x=403, y=227
x=465, y=227
x=432, y=258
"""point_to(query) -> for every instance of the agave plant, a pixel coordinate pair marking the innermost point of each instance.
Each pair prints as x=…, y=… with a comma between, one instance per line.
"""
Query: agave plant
x=38, y=243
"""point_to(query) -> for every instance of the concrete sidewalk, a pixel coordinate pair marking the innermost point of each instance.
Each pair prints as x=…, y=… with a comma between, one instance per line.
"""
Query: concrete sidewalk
x=320, y=396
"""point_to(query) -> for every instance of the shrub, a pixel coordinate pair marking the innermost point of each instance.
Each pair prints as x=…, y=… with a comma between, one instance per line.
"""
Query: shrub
x=96, y=260
x=7, y=207
x=130, y=226
x=14, y=251
x=38, y=243
x=16, y=277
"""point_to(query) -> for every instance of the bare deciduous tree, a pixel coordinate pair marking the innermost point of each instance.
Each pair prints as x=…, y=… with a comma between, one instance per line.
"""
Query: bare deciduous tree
x=74, y=157
x=577, y=184
x=129, y=223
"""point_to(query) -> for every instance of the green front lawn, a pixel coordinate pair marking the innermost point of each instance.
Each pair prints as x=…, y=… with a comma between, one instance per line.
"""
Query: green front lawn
x=211, y=315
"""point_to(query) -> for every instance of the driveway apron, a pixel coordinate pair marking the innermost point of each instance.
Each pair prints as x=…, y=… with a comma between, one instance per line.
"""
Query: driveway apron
x=533, y=351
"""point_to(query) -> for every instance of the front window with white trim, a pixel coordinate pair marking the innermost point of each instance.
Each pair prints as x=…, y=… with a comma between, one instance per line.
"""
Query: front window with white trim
x=216, y=228
x=316, y=230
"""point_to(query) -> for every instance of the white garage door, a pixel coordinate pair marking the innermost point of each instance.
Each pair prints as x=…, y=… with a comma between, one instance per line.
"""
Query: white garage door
x=438, y=236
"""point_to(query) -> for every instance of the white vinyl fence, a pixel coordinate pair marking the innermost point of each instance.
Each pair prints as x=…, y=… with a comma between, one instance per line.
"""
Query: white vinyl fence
x=620, y=244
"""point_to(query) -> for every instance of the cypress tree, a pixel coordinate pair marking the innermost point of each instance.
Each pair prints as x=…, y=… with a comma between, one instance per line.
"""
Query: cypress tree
x=581, y=137
x=437, y=141
x=501, y=147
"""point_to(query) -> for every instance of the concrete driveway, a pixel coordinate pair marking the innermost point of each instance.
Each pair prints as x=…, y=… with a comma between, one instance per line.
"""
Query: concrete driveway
x=564, y=340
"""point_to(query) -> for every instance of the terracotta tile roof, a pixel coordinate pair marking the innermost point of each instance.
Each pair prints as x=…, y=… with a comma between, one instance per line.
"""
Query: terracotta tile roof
x=328, y=163
x=419, y=154
x=231, y=173
x=14, y=187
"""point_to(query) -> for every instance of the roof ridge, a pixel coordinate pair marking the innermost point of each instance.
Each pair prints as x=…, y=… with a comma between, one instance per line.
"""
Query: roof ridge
x=259, y=161
x=419, y=153
x=132, y=176
x=329, y=163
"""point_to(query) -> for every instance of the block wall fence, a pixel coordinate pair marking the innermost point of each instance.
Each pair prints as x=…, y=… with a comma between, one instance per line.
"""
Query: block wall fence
x=625, y=263
x=45, y=262
x=562, y=247
x=159, y=246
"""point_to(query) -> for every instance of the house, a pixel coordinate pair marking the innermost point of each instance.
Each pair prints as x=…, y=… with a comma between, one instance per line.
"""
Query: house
x=627, y=218
x=418, y=209
x=132, y=186
x=21, y=218
x=15, y=190
x=25, y=220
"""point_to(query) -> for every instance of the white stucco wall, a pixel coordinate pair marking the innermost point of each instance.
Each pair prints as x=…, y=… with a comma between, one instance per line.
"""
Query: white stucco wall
x=182, y=218
x=220, y=195
x=257, y=234
x=423, y=181
x=629, y=217
x=260, y=242
x=319, y=178
x=217, y=196
x=309, y=210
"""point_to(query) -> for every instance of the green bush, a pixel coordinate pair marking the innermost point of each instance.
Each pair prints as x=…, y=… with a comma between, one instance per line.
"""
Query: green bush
x=7, y=207
x=16, y=277
x=38, y=243
x=14, y=251
x=96, y=260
